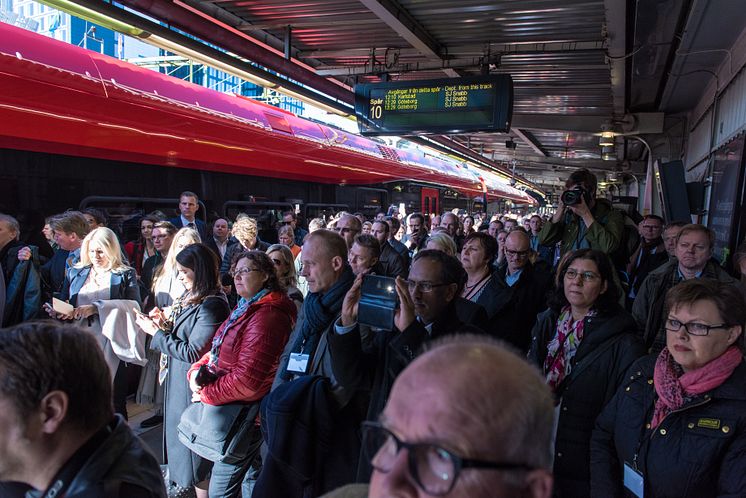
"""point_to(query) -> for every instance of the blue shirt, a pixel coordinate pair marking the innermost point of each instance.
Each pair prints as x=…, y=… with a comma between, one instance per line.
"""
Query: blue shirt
x=512, y=279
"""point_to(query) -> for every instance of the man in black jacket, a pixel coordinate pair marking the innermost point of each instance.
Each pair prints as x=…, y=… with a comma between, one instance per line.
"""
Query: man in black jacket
x=516, y=293
x=58, y=433
x=188, y=206
x=390, y=262
x=429, y=308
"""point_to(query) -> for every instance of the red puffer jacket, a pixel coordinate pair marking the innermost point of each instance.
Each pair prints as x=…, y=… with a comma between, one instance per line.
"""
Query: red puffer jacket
x=250, y=352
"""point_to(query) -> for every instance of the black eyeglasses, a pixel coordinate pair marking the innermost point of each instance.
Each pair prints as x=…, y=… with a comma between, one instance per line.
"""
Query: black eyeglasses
x=516, y=254
x=242, y=272
x=434, y=469
x=693, y=328
x=423, y=286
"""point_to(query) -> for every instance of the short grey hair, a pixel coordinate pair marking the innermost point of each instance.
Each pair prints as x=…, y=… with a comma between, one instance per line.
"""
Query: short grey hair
x=12, y=223
x=514, y=416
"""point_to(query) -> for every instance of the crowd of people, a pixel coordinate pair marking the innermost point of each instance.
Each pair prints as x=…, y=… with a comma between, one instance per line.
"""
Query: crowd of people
x=572, y=356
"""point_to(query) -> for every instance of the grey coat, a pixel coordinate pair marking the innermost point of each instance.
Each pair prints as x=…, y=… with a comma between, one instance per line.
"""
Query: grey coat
x=190, y=339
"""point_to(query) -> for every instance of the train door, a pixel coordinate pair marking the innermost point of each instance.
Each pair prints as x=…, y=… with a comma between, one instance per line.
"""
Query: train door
x=430, y=200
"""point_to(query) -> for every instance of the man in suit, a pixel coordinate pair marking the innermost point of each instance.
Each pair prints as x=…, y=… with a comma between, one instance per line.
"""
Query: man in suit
x=220, y=240
x=429, y=308
x=188, y=206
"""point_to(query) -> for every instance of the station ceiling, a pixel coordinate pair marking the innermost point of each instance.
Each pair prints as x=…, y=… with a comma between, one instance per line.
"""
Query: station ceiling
x=576, y=64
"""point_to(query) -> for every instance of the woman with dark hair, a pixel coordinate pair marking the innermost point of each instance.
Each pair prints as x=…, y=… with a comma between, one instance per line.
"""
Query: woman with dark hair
x=678, y=424
x=245, y=353
x=468, y=225
x=584, y=344
x=183, y=333
x=139, y=251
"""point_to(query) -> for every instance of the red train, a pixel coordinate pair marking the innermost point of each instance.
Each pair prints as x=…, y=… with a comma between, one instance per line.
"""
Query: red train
x=75, y=123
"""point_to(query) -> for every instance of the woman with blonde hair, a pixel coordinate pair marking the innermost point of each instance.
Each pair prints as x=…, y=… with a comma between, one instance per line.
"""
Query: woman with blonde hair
x=101, y=275
x=282, y=258
x=441, y=241
x=286, y=236
x=166, y=286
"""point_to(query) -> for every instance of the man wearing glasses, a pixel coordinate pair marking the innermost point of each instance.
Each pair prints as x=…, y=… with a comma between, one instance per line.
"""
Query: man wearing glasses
x=495, y=446
x=694, y=248
x=429, y=307
x=348, y=226
x=650, y=254
x=518, y=293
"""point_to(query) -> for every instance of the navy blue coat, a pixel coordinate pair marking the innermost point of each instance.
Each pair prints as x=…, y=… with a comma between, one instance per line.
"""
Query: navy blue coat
x=698, y=451
x=608, y=348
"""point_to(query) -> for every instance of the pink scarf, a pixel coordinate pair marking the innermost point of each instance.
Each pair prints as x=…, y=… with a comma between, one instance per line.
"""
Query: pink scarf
x=562, y=348
x=674, y=386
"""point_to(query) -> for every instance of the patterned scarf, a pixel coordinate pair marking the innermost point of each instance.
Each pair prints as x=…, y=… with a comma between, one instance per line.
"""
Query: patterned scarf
x=675, y=387
x=561, y=350
x=241, y=308
x=177, y=307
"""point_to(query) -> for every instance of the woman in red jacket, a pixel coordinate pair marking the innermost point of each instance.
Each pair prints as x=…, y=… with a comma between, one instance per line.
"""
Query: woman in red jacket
x=245, y=353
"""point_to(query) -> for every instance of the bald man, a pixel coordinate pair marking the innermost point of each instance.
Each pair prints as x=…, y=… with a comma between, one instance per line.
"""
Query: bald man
x=499, y=429
x=516, y=293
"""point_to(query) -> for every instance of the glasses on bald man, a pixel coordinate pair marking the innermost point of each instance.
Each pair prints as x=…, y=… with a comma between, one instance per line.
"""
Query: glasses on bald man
x=433, y=468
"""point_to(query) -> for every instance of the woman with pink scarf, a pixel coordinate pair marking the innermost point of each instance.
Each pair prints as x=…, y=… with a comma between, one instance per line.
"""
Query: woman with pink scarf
x=677, y=427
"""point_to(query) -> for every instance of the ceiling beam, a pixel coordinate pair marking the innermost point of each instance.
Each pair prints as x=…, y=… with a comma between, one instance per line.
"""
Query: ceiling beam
x=616, y=33
x=406, y=26
x=473, y=62
x=518, y=48
x=558, y=122
x=530, y=140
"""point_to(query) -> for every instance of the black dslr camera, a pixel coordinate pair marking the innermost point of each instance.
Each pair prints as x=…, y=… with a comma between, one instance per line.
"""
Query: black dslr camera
x=572, y=197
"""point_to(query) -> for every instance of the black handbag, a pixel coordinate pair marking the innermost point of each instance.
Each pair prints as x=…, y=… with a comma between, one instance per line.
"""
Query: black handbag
x=219, y=433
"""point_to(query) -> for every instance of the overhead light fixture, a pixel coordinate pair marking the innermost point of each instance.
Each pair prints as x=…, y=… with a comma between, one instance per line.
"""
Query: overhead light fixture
x=608, y=153
x=607, y=139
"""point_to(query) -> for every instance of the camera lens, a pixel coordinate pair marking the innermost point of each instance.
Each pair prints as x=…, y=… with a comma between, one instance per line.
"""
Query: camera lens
x=571, y=197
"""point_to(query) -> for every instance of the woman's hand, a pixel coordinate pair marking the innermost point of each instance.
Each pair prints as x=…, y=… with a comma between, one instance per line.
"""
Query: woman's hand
x=158, y=317
x=146, y=324
x=54, y=314
x=84, y=311
x=193, y=382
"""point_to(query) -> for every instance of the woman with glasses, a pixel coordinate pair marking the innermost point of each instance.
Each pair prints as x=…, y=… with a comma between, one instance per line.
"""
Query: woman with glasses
x=677, y=426
x=245, y=353
x=584, y=343
x=283, y=260
x=183, y=333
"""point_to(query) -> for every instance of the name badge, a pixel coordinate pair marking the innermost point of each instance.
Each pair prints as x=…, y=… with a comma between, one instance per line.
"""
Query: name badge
x=298, y=363
x=634, y=481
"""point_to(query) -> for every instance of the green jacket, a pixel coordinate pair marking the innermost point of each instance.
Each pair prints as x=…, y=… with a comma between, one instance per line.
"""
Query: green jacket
x=603, y=235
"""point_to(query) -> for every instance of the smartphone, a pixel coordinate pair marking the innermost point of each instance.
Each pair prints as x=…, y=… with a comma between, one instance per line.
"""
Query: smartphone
x=378, y=302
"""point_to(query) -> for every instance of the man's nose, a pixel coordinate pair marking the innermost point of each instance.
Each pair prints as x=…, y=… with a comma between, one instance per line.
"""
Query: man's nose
x=399, y=481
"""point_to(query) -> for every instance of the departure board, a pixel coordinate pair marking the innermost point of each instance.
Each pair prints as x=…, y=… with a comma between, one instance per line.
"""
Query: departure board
x=449, y=105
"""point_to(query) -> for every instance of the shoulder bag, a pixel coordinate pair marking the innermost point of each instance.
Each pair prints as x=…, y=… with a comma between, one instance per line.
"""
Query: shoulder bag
x=218, y=433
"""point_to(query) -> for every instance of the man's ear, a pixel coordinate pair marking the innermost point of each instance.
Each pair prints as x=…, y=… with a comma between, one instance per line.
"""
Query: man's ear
x=53, y=409
x=451, y=290
x=539, y=484
x=337, y=263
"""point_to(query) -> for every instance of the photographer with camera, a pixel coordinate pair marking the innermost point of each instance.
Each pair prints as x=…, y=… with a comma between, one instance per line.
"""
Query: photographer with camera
x=582, y=221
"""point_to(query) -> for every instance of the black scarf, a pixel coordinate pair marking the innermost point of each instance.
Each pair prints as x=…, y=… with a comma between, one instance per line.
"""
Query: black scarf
x=319, y=310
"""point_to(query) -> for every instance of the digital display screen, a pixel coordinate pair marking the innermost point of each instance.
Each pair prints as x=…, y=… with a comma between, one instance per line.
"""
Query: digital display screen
x=449, y=105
